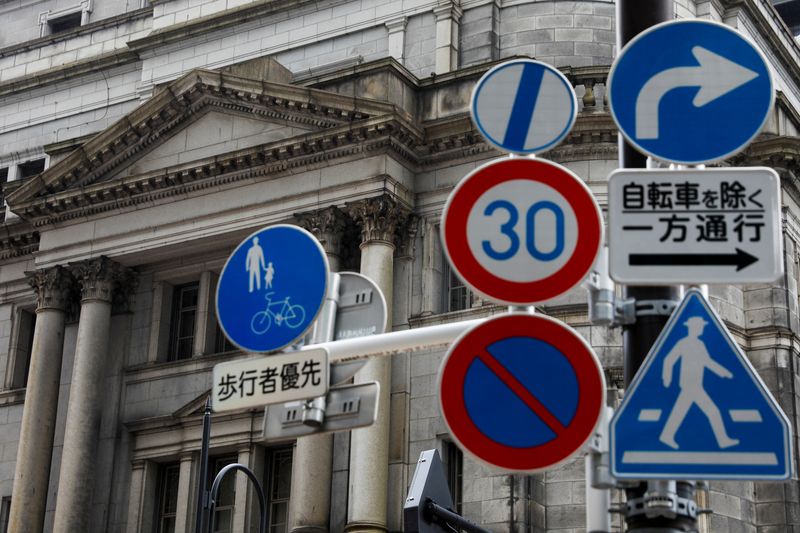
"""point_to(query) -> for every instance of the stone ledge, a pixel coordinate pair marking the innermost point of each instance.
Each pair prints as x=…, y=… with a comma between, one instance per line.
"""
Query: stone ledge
x=12, y=397
x=65, y=72
x=81, y=30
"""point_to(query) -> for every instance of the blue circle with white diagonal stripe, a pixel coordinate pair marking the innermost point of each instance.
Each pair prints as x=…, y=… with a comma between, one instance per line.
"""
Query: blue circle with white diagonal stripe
x=524, y=106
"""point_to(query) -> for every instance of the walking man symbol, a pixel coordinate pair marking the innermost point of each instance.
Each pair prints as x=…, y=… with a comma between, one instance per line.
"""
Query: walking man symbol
x=693, y=355
x=254, y=262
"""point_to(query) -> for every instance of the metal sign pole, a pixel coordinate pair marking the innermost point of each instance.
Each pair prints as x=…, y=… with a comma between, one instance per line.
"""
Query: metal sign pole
x=653, y=304
x=203, y=470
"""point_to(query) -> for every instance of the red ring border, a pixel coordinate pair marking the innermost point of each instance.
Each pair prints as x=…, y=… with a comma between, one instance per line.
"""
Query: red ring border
x=591, y=395
x=575, y=192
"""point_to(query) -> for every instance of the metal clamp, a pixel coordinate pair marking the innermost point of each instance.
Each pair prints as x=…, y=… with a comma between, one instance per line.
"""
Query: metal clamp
x=661, y=501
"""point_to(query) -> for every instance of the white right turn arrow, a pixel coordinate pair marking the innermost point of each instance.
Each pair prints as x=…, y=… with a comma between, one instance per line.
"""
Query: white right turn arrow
x=715, y=75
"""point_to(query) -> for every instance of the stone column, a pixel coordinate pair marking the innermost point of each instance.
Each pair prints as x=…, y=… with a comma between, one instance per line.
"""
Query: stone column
x=369, y=447
x=102, y=282
x=187, y=489
x=310, y=500
x=448, y=17
x=32, y=476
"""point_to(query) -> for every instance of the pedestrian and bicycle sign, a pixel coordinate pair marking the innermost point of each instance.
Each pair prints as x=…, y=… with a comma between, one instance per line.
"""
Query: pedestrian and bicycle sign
x=720, y=225
x=524, y=106
x=266, y=380
x=521, y=392
x=697, y=408
x=690, y=91
x=521, y=231
x=272, y=288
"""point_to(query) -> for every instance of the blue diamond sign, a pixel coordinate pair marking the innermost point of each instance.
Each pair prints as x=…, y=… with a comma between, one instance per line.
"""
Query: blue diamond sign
x=690, y=91
x=697, y=408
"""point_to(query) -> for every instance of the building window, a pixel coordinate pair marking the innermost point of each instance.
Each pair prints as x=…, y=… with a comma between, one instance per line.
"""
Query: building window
x=223, y=514
x=22, y=348
x=5, y=511
x=30, y=168
x=279, y=483
x=64, y=22
x=167, y=509
x=457, y=296
x=184, y=313
x=454, y=470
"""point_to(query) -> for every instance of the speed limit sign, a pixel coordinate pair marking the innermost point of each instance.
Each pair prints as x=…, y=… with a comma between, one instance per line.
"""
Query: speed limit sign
x=521, y=231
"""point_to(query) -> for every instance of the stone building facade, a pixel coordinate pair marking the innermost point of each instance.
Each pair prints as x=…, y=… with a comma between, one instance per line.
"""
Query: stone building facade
x=141, y=141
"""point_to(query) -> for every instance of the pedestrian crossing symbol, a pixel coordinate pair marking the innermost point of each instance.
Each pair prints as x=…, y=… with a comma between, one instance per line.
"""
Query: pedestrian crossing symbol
x=697, y=408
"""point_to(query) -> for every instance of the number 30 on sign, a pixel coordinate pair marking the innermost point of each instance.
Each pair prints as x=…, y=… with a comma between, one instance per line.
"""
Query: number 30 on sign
x=521, y=231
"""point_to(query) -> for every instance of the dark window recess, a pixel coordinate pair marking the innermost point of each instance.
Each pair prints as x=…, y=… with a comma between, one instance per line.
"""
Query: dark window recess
x=184, y=314
x=279, y=483
x=65, y=23
x=221, y=342
x=223, y=514
x=5, y=510
x=454, y=465
x=458, y=297
x=23, y=348
x=30, y=168
x=167, y=503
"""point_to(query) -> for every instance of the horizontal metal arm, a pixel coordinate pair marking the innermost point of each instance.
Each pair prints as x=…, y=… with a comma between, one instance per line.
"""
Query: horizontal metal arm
x=454, y=519
x=395, y=342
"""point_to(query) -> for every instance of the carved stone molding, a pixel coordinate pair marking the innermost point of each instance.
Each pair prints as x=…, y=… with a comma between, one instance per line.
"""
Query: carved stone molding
x=327, y=225
x=54, y=287
x=380, y=218
x=105, y=280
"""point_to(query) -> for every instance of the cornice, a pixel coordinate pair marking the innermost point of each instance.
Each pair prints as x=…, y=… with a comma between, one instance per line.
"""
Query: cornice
x=110, y=22
x=17, y=240
x=177, y=105
x=268, y=160
x=70, y=70
x=216, y=21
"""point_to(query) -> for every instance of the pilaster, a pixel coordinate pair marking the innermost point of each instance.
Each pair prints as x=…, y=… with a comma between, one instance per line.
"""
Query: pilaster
x=328, y=226
x=448, y=20
x=397, y=36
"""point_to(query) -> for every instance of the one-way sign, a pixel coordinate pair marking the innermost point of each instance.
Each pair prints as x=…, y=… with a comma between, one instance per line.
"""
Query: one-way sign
x=694, y=226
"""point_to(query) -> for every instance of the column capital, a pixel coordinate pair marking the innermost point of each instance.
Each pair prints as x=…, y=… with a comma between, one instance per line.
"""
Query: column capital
x=448, y=9
x=380, y=218
x=327, y=225
x=396, y=24
x=53, y=287
x=103, y=279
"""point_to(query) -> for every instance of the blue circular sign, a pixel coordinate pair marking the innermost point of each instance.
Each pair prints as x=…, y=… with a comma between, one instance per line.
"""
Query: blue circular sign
x=524, y=106
x=690, y=91
x=272, y=288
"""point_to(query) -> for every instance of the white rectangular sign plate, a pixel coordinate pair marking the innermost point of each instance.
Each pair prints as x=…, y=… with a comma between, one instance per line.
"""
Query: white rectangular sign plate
x=273, y=379
x=718, y=225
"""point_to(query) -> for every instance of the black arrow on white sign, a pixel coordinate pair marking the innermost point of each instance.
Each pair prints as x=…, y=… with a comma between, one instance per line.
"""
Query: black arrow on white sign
x=740, y=259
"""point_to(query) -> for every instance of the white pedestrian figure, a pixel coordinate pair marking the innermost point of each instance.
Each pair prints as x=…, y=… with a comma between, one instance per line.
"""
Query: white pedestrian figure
x=268, y=275
x=695, y=359
x=254, y=263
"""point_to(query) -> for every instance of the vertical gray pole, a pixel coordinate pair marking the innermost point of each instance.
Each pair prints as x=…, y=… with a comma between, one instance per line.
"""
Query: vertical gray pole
x=633, y=17
x=203, y=470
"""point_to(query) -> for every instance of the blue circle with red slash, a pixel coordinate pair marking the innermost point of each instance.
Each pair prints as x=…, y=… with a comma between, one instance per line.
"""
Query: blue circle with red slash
x=521, y=392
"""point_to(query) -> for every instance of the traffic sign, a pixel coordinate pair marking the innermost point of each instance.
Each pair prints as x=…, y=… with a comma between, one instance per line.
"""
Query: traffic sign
x=524, y=106
x=279, y=378
x=521, y=231
x=271, y=288
x=361, y=308
x=720, y=225
x=347, y=407
x=697, y=408
x=521, y=392
x=690, y=91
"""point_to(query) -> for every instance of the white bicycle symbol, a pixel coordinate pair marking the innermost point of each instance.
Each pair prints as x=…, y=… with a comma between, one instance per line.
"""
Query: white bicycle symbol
x=291, y=315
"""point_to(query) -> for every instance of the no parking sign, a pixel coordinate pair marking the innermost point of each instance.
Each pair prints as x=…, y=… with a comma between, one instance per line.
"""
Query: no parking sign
x=521, y=392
